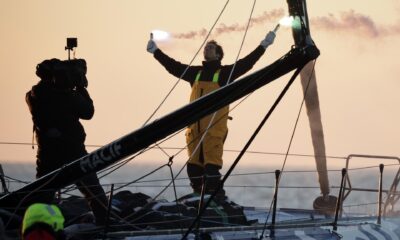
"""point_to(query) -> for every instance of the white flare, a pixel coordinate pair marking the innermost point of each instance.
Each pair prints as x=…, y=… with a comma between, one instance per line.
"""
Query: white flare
x=286, y=21
x=159, y=35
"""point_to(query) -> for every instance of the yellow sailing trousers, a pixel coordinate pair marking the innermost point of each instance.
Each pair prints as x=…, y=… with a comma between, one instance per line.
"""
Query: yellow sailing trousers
x=212, y=145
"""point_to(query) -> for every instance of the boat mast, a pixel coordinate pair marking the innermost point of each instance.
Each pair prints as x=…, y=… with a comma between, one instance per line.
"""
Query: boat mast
x=301, y=35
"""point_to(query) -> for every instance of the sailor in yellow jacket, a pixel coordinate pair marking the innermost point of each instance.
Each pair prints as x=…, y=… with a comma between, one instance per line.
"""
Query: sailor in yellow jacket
x=206, y=159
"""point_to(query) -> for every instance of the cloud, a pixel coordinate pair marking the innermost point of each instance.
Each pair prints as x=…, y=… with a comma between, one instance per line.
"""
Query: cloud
x=271, y=16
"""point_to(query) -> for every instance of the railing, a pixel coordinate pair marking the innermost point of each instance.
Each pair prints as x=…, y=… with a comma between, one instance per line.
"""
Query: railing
x=392, y=196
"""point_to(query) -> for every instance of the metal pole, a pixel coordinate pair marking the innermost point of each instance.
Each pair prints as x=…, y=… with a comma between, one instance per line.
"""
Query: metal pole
x=277, y=174
x=3, y=181
x=339, y=200
x=108, y=210
x=203, y=191
x=381, y=166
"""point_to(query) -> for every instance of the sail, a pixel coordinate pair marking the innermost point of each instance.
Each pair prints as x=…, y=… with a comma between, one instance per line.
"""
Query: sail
x=309, y=85
x=301, y=36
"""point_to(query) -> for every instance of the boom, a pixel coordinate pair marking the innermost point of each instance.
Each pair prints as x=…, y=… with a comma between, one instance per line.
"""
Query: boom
x=299, y=55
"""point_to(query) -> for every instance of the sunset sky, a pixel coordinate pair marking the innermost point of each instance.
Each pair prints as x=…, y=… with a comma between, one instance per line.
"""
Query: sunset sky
x=357, y=73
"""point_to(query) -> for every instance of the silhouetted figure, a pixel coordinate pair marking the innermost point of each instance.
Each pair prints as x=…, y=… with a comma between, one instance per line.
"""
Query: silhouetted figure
x=57, y=103
x=207, y=159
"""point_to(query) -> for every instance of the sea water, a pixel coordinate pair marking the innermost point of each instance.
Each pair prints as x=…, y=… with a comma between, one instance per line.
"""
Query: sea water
x=247, y=186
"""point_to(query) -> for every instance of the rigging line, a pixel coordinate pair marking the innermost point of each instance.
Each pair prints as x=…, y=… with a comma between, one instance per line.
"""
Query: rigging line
x=169, y=184
x=174, y=178
x=190, y=63
x=182, y=148
x=187, y=67
x=162, y=191
x=225, y=150
x=230, y=110
x=71, y=188
x=161, y=149
x=35, y=144
x=361, y=204
x=144, y=176
x=148, y=174
x=277, y=101
x=255, y=152
x=232, y=175
x=16, y=143
x=175, y=195
x=290, y=154
x=16, y=180
x=153, y=200
x=120, y=164
x=241, y=45
x=179, y=172
x=210, y=124
x=114, y=167
x=225, y=186
x=229, y=81
x=203, y=137
x=290, y=141
x=30, y=193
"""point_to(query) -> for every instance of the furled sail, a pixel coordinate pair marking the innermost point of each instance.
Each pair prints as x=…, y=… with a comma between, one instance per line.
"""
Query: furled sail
x=309, y=84
x=302, y=36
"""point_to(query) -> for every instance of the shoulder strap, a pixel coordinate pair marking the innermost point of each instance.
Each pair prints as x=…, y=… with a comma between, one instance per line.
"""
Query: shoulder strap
x=197, y=76
x=215, y=77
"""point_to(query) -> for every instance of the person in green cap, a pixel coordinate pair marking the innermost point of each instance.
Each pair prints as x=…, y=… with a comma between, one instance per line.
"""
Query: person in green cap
x=44, y=222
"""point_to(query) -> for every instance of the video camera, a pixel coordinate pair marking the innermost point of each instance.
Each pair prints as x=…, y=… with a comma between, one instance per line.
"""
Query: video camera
x=68, y=74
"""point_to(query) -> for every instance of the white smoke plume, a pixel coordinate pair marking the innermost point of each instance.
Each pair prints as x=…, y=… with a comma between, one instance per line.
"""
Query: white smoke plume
x=349, y=22
x=353, y=23
x=265, y=17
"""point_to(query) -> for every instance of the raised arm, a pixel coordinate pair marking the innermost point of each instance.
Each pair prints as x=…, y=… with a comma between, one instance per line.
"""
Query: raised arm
x=171, y=65
x=245, y=64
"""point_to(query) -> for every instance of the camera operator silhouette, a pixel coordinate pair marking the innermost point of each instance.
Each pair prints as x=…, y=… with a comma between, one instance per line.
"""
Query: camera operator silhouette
x=57, y=103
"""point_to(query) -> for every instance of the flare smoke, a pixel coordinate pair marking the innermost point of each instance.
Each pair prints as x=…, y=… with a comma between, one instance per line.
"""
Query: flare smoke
x=349, y=22
x=265, y=17
x=354, y=23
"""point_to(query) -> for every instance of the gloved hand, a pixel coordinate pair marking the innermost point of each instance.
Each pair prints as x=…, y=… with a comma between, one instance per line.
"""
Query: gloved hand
x=151, y=46
x=268, y=40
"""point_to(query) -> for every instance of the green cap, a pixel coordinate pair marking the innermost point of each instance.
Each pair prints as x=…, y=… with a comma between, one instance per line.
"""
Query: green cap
x=43, y=213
